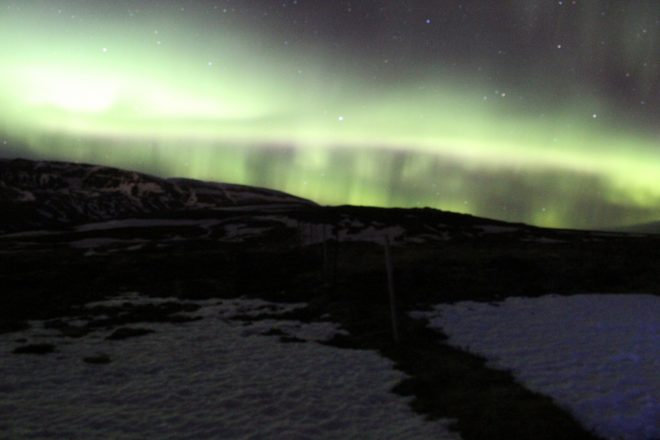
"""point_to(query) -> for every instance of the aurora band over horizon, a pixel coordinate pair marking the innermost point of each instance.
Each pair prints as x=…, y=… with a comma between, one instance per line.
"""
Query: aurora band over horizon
x=227, y=104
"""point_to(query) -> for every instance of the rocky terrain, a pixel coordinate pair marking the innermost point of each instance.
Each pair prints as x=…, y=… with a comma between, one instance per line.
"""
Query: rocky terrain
x=37, y=194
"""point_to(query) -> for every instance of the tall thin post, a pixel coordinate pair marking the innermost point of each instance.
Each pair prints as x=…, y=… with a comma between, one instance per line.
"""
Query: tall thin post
x=390, y=288
x=335, y=258
x=326, y=262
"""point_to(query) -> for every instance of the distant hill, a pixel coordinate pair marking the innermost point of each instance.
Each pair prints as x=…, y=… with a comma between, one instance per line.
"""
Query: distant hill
x=39, y=194
x=642, y=228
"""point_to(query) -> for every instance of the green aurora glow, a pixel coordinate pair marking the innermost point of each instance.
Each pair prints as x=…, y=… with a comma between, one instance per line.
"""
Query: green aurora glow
x=232, y=105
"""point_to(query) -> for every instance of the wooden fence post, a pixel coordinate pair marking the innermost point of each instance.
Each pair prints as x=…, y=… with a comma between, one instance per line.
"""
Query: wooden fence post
x=390, y=288
x=335, y=258
x=326, y=262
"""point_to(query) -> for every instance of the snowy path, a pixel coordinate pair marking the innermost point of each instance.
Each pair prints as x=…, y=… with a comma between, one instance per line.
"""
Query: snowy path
x=212, y=378
x=597, y=355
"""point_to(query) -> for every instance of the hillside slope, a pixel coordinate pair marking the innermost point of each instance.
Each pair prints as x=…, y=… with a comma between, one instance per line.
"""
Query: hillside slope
x=39, y=194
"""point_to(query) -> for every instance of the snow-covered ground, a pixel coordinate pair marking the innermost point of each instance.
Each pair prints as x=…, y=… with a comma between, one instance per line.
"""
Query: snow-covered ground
x=596, y=355
x=211, y=378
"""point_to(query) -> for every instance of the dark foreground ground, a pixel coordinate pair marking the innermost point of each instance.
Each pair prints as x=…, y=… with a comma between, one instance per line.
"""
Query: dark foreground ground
x=438, y=258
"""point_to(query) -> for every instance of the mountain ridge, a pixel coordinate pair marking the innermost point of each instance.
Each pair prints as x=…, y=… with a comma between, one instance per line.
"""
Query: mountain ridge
x=640, y=228
x=36, y=194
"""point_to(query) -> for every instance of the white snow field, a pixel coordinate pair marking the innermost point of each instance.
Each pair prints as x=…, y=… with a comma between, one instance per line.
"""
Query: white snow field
x=213, y=378
x=596, y=355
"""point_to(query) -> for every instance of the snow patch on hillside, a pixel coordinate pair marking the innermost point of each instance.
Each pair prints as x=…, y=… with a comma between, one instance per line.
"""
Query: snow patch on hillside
x=211, y=378
x=597, y=355
x=145, y=223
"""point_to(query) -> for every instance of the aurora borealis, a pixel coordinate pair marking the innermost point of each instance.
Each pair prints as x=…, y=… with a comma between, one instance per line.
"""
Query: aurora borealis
x=544, y=112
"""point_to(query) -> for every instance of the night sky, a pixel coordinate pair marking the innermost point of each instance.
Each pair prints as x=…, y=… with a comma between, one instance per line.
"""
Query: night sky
x=546, y=112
